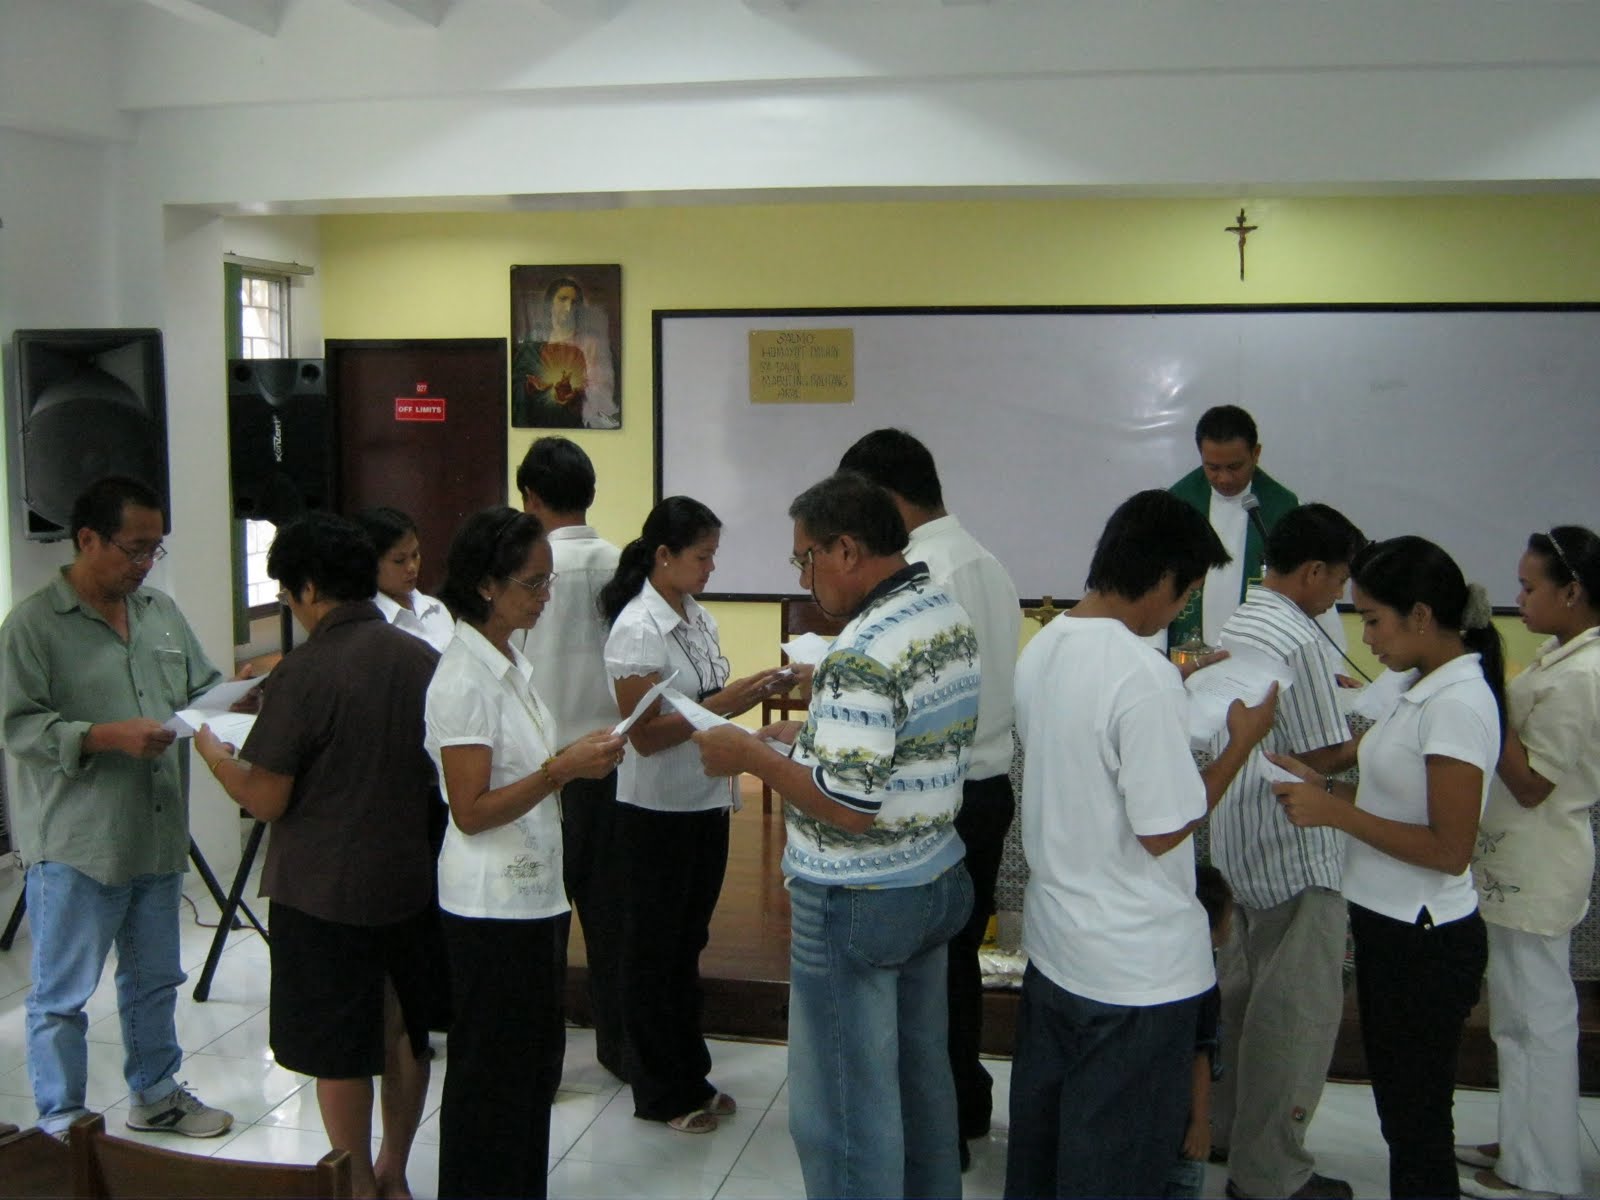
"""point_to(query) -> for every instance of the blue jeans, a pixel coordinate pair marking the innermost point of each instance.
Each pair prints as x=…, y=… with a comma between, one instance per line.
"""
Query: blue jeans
x=872, y=1104
x=1099, y=1093
x=73, y=922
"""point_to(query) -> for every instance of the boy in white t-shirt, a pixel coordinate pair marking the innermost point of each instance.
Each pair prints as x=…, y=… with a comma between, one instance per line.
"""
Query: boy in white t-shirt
x=1116, y=938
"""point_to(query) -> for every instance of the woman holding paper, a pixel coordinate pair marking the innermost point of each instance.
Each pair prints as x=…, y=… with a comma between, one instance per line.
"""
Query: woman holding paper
x=1420, y=945
x=505, y=907
x=672, y=819
x=1534, y=863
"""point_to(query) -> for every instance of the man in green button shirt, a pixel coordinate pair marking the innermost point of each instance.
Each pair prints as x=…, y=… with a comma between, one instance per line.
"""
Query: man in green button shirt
x=91, y=665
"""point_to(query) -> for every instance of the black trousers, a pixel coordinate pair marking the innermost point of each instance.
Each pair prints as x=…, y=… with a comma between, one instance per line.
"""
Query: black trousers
x=987, y=807
x=433, y=948
x=1415, y=985
x=504, y=1059
x=675, y=862
x=595, y=872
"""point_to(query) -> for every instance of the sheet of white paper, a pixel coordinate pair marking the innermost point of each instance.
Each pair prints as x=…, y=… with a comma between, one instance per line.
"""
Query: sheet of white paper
x=697, y=715
x=1251, y=670
x=1379, y=697
x=639, y=709
x=211, y=703
x=1208, y=717
x=1243, y=675
x=808, y=649
x=1271, y=771
x=231, y=727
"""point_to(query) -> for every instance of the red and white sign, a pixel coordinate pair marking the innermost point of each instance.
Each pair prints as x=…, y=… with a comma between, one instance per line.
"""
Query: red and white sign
x=418, y=408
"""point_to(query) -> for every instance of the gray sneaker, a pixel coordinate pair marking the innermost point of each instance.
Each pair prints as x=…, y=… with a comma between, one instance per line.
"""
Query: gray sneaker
x=181, y=1112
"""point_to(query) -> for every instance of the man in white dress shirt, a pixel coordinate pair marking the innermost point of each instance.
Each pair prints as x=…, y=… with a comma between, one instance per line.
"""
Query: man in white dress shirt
x=567, y=650
x=902, y=465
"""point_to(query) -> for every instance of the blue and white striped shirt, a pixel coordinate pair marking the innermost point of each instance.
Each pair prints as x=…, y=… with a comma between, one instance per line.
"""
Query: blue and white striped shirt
x=894, y=710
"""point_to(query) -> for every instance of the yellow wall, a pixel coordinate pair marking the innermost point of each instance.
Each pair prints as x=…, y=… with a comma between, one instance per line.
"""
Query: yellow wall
x=447, y=275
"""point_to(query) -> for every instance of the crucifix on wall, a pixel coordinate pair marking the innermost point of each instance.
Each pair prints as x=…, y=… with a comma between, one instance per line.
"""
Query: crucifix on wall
x=1241, y=231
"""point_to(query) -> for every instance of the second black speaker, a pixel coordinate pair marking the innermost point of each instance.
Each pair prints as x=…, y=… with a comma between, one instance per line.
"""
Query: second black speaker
x=282, y=438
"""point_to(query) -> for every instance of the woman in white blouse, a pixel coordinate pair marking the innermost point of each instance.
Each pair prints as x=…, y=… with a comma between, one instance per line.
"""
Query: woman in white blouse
x=394, y=534
x=1533, y=867
x=1411, y=825
x=500, y=884
x=672, y=819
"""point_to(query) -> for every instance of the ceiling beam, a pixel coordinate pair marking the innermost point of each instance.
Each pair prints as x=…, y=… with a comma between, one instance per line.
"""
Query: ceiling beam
x=257, y=16
x=407, y=14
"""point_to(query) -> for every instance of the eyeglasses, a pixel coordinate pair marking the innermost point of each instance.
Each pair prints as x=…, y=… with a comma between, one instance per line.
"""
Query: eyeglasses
x=140, y=558
x=539, y=583
x=284, y=597
x=801, y=561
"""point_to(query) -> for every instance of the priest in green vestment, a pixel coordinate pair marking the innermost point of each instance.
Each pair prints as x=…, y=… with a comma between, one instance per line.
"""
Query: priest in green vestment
x=1229, y=471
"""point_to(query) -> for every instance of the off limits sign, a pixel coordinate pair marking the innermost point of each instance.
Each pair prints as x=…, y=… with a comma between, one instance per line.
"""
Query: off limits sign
x=420, y=407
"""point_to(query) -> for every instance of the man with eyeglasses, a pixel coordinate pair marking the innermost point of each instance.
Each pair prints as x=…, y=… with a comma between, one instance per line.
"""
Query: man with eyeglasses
x=874, y=864
x=899, y=463
x=91, y=665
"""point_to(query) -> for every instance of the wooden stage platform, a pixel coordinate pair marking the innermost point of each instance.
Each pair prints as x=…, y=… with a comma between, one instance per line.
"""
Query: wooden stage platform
x=746, y=968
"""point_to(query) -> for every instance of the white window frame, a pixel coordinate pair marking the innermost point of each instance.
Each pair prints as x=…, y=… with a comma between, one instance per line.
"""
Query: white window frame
x=264, y=334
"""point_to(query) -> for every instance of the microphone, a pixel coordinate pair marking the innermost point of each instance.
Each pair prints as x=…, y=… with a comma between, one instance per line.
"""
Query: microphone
x=1252, y=507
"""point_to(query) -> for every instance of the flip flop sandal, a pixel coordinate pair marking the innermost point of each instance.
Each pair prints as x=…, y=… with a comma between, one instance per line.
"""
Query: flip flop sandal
x=722, y=1105
x=698, y=1121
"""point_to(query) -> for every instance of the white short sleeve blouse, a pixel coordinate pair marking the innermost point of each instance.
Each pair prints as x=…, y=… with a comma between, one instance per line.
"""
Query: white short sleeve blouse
x=650, y=638
x=1450, y=712
x=479, y=697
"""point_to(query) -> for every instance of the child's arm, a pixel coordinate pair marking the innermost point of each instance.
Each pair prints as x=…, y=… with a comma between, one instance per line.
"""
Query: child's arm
x=1197, y=1140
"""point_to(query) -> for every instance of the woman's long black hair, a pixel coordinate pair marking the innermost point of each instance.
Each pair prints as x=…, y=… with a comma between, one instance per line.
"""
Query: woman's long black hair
x=1404, y=571
x=677, y=523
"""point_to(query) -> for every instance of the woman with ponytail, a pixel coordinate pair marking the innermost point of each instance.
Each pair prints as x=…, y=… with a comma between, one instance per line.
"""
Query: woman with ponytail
x=672, y=819
x=1534, y=863
x=1420, y=945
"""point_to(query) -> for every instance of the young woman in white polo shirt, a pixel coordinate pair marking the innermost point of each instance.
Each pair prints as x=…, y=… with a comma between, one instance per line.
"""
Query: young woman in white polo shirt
x=672, y=819
x=1534, y=863
x=495, y=743
x=1425, y=770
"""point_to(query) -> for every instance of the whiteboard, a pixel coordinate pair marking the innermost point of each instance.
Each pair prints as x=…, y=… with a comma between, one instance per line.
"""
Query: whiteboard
x=1473, y=426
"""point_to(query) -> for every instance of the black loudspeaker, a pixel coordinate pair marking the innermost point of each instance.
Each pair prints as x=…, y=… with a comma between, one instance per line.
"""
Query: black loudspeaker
x=282, y=438
x=85, y=403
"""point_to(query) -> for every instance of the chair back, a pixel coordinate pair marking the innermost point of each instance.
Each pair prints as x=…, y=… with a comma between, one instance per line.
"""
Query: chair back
x=32, y=1163
x=113, y=1168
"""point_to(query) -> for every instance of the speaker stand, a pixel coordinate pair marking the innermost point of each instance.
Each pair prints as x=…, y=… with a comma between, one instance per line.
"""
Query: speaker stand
x=231, y=906
x=235, y=899
x=202, y=868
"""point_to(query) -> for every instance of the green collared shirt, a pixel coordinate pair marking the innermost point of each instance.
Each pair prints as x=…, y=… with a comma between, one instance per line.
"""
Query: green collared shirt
x=63, y=669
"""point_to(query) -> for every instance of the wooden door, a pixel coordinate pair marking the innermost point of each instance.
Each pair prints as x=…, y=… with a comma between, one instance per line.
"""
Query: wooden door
x=422, y=427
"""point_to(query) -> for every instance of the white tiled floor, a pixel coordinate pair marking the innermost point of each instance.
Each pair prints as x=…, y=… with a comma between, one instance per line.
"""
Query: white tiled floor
x=597, y=1147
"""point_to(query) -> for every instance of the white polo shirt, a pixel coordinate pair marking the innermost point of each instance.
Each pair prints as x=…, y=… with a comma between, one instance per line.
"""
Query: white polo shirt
x=479, y=697
x=427, y=618
x=649, y=638
x=1533, y=865
x=1103, y=720
x=1449, y=712
x=978, y=582
x=567, y=647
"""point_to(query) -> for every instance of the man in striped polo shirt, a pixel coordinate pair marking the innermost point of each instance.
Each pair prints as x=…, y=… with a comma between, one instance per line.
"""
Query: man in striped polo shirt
x=1281, y=970
x=872, y=785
